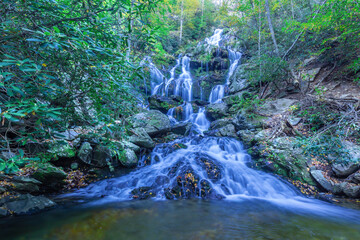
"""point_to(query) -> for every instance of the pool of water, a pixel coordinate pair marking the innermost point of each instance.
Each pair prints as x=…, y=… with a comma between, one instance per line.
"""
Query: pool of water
x=188, y=219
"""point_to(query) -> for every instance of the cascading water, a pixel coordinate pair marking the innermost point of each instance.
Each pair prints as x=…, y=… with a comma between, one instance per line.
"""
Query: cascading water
x=235, y=58
x=157, y=78
x=184, y=82
x=217, y=93
x=201, y=166
x=215, y=39
x=172, y=76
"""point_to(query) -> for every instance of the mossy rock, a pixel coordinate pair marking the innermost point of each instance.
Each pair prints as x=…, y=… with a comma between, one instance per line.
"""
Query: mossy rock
x=50, y=176
x=61, y=149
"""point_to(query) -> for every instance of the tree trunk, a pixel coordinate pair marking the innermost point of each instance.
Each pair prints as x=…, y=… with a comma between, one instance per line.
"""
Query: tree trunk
x=259, y=44
x=181, y=19
x=130, y=31
x=271, y=26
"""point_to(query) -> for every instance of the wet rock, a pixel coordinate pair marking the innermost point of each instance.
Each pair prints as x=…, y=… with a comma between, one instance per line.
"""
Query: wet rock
x=276, y=107
x=319, y=177
x=130, y=159
x=171, y=137
x=50, y=176
x=85, y=152
x=141, y=138
x=201, y=103
x=142, y=193
x=168, y=194
x=61, y=149
x=182, y=128
x=213, y=171
x=161, y=103
x=153, y=122
x=352, y=190
x=26, y=204
x=216, y=111
x=161, y=180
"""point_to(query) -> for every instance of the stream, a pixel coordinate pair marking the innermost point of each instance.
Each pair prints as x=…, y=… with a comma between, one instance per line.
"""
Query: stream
x=204, y=188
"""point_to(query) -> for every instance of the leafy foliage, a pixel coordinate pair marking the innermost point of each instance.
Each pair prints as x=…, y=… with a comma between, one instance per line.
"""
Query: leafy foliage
x=65, y=63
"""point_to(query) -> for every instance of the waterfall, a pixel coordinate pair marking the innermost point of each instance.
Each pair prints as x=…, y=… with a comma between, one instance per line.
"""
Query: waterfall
x=157, y=78
x=217, y=93
x=184, y=82
x=235, y=58
x=200, y=123
x=215, y=39
x=172, y=76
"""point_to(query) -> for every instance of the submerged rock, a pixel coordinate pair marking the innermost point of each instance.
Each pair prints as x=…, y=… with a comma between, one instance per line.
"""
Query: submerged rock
x=142, y=193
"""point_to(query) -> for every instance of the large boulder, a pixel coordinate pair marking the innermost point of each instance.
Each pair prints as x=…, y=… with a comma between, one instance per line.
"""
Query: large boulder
x=130, y=159
x=352, y=190
x=276, y=107
x=141, y=138
x=216, y=111
x=103, y=156
x=153, y=122
x=50, y=176
x=319, y=177
x=26, y=204
x=61, y=149
x=161, y=103
x=85, y=152
x=130, y=145
x=19, y=184
x=347, y=168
